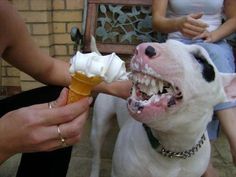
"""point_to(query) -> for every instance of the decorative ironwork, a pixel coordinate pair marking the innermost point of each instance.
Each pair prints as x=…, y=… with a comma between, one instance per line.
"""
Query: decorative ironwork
x=125, y=24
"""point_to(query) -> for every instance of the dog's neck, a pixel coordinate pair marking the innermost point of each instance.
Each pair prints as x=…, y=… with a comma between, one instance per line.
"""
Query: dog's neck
x=182, y=136
x=168, y=153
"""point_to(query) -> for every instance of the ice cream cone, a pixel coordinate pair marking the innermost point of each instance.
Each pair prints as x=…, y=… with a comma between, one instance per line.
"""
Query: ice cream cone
x=81, y=86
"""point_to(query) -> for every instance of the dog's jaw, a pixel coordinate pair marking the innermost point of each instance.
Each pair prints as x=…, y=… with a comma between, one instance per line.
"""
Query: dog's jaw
x=152, y=95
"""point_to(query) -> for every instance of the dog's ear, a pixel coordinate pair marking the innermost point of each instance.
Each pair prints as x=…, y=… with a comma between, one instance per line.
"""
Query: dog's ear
x=203, y=58
x=93, y=46
x=229, y=83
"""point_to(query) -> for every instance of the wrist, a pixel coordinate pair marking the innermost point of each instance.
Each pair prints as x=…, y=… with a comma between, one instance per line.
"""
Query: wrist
x=213, y=37
x=217, y=36
x=177, y=23
x=5, y=151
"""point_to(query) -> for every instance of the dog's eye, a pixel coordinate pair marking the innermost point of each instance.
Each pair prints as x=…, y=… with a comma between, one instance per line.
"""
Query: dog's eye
x=208, y=71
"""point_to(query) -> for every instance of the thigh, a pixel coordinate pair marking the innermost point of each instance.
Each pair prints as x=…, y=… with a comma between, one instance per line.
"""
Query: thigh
x=45, y=164
x=39, y=164
x=27, y=98
x=221, y=54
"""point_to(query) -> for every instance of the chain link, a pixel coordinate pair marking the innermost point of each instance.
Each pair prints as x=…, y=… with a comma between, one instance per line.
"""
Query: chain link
x=183, y=154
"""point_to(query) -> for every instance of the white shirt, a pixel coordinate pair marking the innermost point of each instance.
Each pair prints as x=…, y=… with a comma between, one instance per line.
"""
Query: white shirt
x=212, y=10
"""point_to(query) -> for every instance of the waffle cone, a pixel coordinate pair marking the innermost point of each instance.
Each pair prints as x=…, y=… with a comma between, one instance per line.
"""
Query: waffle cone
x=81, y=86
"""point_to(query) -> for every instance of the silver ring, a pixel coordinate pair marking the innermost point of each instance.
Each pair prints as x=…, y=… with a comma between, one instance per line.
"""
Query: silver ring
x=63, y=141
x=50, y=105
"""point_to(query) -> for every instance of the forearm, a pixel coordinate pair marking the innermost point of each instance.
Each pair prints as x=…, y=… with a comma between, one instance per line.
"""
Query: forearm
x=229, y=26
x=55, y=74
x=120, y=88
x=160, y=22
x=166, y=25
x=22, y=52
x=226, y=29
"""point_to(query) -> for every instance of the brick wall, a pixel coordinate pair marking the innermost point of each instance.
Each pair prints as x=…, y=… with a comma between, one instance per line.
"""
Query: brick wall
x=49, y=22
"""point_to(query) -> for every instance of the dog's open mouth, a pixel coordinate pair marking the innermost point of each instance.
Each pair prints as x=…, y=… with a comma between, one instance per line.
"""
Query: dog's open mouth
x=149, y=90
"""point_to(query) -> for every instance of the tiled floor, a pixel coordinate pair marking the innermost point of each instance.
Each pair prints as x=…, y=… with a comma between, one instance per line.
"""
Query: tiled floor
x=82, y=153
x=80, y=164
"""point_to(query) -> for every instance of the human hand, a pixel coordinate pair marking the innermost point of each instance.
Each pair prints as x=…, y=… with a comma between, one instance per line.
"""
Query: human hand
x=190, y=25
x=35, y=128
x=206, y=36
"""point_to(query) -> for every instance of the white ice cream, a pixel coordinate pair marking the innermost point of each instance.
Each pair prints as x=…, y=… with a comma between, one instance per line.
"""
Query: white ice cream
x=109, y=67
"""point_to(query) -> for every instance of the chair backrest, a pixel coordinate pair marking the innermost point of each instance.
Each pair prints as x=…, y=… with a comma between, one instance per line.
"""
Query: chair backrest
x=118, y=25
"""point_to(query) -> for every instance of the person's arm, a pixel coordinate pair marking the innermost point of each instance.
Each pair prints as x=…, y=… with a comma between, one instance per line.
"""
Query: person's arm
x=159, y=20
x=21, y=51
x=36, y=128
x=227, y=28
x=189, y=26
x=119, y=88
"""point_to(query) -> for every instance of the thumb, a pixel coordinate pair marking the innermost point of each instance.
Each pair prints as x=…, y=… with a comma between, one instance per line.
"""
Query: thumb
x=196, y=15
x=61, y=100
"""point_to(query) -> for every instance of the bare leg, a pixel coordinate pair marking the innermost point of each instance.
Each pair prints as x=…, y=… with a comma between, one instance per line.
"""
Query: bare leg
x=228, y=124
x=211, y=171
x=227, y=119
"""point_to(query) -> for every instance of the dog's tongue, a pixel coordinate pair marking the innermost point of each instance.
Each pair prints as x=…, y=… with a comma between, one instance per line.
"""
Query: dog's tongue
x=137, y=106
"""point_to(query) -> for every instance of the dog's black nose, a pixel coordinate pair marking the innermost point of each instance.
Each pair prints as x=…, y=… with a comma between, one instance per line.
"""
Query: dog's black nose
x=150, y=51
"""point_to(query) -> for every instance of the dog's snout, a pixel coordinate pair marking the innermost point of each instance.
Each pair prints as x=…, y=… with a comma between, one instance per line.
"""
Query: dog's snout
x=150, y=51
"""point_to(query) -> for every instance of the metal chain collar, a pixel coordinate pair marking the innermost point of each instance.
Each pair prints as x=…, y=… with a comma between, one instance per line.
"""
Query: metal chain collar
x=184, y=154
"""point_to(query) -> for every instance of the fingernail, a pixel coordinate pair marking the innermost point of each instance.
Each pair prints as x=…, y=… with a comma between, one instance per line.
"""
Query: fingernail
x=90, y=100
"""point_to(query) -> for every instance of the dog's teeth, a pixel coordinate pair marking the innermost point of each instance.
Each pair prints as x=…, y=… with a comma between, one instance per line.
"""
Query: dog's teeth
x=152, y=99
x=139, y=78
x=135, y=65
x=169, y=90
x=155, y=90
x=130, y=76
x=142, y=80
x=134, y=77
x=156, y=99
x=160, y=84
x=147, y=81
x=157, y=87
x=133, y=92
x=153, y=83
x=143, y=88
x=151, y=91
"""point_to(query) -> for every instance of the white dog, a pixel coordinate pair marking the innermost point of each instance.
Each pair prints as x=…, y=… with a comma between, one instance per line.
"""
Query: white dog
x=175, y=87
